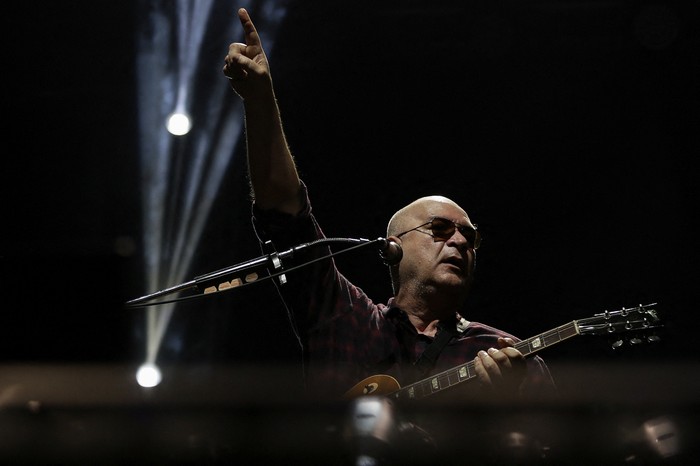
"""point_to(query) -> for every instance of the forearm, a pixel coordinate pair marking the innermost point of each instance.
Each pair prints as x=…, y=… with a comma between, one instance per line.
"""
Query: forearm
x=271, y=169
x=273, y=175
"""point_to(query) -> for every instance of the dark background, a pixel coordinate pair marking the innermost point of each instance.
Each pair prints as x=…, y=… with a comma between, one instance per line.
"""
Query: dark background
x=568, y=131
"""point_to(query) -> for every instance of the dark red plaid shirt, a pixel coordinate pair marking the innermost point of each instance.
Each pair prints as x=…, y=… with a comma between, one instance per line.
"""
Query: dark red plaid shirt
x=347, y=337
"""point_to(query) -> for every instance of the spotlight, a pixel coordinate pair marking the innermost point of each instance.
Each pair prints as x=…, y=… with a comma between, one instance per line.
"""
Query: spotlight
x=179, y=123
x=148, y=375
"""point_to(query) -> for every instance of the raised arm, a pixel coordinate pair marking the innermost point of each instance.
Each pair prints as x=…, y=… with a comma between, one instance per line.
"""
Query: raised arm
x=273, y=175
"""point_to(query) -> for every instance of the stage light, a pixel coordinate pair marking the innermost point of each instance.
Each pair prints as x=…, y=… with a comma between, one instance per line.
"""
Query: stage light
x=179, y=124
x=148, y=375
x=181, y=180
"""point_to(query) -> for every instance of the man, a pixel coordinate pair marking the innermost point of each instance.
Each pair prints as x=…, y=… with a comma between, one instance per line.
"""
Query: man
x=346, y=336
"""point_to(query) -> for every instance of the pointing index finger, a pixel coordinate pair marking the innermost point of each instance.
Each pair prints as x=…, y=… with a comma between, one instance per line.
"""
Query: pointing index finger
x=251, y=34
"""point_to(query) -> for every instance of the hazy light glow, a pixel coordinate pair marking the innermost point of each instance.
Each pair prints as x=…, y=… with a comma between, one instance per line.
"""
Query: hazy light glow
x=148, y=376
x=181, y=177
x=179, y=124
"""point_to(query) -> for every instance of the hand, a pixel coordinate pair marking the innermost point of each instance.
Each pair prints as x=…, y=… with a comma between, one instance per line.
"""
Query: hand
x=246, y=65
x=503, y=370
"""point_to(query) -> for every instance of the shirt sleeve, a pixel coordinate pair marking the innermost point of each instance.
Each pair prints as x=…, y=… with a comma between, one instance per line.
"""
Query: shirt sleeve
x=334, y=318
x=315, y=292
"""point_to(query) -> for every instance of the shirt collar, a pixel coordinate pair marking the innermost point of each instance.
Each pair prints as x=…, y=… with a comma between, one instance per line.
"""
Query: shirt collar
x=458, y=323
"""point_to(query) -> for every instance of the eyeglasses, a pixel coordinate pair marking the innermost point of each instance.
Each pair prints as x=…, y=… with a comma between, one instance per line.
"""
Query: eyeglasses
x=442, y=229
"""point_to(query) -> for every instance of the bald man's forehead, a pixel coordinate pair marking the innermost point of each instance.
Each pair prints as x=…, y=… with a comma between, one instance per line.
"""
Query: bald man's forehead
x=428, y=209
x=453, y=213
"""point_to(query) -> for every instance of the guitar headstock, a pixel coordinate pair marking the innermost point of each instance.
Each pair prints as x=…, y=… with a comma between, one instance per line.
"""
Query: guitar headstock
x=640, y=322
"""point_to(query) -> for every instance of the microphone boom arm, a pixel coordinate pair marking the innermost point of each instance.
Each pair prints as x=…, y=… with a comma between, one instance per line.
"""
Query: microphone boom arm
x=273, y=258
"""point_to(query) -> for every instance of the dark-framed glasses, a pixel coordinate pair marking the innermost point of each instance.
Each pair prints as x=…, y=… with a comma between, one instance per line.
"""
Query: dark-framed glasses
x=442, y=229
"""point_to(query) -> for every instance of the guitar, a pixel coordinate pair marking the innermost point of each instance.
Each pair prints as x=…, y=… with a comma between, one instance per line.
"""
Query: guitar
x=641, y=319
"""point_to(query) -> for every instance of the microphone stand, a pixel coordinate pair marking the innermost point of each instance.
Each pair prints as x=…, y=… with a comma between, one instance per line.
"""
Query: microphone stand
x=273, y=258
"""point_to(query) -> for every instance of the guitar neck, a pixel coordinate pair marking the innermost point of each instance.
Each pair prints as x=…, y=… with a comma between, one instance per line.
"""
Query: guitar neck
x=465, y=372
x=544, y=340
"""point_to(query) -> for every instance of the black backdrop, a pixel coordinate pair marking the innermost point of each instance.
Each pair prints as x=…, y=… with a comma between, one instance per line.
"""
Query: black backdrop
x=567, y=130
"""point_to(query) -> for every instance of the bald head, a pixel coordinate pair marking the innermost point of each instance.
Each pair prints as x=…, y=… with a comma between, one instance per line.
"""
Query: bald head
x=417, y=212
x=419, y=274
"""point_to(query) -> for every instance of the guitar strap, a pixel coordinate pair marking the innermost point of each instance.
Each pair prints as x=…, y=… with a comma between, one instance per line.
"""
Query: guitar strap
x=427, y=359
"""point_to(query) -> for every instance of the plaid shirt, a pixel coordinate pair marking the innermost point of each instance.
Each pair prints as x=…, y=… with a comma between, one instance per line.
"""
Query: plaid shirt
x=347, y=337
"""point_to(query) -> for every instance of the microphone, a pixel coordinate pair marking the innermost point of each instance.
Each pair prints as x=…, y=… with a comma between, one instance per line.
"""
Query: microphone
x=390, y=252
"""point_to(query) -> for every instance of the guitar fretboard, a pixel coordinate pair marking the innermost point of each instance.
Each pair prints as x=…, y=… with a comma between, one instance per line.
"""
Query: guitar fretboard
x=464, y=372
